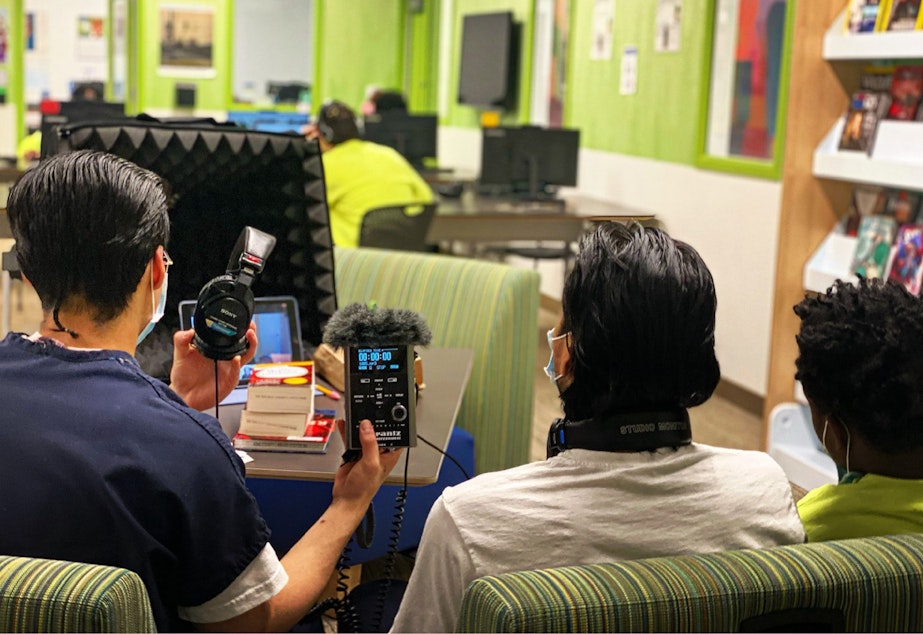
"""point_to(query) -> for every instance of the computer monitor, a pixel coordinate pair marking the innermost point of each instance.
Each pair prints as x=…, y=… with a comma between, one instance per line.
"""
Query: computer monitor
x=269, y=120
x=58, y=113
x=413, y=135
x=529, y=161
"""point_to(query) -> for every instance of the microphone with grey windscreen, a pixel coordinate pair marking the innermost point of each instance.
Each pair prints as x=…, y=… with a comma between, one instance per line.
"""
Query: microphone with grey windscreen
x=378, y=346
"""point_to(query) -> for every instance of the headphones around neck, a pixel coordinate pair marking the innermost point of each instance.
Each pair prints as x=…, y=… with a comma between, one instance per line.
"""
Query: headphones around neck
x=224, y=307
x=637, y=431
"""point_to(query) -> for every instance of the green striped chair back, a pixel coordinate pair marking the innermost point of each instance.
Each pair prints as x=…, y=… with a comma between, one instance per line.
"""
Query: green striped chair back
x=872, y=584
x=43, y=595
x=489, y=308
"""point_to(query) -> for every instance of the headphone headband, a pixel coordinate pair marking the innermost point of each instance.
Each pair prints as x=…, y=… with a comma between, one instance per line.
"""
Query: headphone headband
x=637, y=431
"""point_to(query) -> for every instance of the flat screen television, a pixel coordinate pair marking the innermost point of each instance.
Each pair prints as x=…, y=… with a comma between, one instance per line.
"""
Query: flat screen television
x=489, y=61
x=529, y=161
x=413, y=135
x=219, y=179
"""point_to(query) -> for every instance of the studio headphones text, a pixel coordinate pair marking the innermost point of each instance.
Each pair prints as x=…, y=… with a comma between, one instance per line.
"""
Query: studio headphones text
x=224, y=307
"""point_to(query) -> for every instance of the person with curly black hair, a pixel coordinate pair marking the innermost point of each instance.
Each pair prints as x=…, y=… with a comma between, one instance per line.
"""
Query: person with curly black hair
x=861, y=365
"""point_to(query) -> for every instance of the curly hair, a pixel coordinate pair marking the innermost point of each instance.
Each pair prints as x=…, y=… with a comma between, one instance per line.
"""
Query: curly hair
x=861, y=360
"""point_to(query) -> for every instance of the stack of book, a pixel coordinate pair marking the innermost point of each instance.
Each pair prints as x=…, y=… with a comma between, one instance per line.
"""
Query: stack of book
x=885, y=92
x=888, y=225
x=279, y=414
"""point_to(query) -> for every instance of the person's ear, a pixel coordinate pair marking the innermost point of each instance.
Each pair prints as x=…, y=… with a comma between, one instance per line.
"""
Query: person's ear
x=158, y=268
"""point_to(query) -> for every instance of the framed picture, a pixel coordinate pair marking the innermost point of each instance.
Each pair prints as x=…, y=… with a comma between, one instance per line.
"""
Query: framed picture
x=186, y=41
x=747, y=87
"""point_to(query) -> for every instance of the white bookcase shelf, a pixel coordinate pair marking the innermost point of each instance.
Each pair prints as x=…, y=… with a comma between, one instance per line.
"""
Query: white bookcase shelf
x=895, y=45
x=830, y=262
x=896, y=159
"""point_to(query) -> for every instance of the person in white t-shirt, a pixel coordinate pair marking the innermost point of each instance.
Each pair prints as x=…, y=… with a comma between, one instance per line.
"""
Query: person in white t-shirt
x=635, y=348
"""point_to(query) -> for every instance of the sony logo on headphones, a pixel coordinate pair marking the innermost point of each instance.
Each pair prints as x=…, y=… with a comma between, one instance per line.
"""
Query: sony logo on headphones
x=225, y=311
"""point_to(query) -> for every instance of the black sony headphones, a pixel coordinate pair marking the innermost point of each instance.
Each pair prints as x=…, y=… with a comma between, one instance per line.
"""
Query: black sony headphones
x=224, y=307
x=637, y=431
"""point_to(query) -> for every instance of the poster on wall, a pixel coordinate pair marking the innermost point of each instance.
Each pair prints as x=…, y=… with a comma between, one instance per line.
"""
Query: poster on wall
x=603, y=25
x=91, y=37
x=669, y=26
x=119, y=49
x=628, y=79
x=30, y=32
x=4, y=34
x=186, y=41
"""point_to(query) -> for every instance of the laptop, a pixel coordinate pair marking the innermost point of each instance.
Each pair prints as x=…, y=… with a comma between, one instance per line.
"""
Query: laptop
x=278, y=332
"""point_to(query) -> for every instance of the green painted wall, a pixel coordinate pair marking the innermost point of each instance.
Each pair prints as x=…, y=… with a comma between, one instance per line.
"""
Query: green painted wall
x=661, y=121
x=422, y=86
x=360, y=42
x=158, y=91
x=467, y=116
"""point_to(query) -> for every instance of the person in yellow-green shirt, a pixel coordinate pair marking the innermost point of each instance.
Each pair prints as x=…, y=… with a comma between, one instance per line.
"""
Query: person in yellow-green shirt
x=861, y=366
x=360, y=175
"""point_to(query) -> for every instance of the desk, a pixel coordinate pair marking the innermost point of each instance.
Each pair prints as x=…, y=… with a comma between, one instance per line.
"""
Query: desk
x=487, y=219
x=446, y=372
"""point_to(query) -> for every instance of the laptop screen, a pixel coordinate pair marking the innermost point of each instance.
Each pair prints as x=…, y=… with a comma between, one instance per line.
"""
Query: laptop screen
x=278, y=331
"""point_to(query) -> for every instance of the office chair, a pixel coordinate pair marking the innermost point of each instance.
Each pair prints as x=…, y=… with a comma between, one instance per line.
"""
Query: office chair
x=397, y=227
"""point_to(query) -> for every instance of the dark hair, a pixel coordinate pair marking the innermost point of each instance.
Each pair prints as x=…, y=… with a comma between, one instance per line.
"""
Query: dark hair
x=86, y=225
x=861, y=360
x=336, y=122
x=640, y=308
x=389, y=101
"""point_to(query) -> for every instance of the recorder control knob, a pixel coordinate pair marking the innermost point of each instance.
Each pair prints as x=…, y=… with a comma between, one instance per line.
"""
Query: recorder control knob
x=399, y=413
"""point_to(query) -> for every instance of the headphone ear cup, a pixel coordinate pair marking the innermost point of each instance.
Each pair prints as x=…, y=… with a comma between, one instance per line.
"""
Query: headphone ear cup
x=222, y=316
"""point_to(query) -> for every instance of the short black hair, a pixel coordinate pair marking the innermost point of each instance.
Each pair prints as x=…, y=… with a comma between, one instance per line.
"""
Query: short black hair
x=336, y=122
x=861, y=360
x=86, y=225
x=640, y=308
x=389, y=101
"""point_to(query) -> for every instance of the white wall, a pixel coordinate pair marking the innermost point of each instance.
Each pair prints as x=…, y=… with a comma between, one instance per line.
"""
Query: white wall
x=732, y=221
x=60, y=56
x=272, y=42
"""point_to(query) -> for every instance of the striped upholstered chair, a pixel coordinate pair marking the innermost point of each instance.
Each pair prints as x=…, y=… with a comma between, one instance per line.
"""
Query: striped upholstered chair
x=43, y=595
x=872, y=584
x=487, y=307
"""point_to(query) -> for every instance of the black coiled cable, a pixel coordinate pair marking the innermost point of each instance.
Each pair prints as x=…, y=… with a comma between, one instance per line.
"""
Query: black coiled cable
x=393, y=539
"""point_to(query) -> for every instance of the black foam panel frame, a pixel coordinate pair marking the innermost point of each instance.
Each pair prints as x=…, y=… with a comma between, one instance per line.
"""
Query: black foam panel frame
x=220, y=179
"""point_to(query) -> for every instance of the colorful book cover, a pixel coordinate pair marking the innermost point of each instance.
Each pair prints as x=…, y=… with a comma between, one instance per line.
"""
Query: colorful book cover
x=315, y=439
x=903, y=15
x=862, y=16
x=865, y=110
x=906, y=266
x=867, y=200
x=873, y=246
x=903, y=206
x=906, y=92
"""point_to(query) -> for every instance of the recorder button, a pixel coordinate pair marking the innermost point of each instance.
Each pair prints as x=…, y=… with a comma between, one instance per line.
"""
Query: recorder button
x=399, y=413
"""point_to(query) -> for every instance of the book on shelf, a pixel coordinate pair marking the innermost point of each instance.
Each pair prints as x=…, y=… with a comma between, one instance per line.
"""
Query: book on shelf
x=903, y=15
x=314, y=438
x=906, y=263
x=903, y=206
x=867, y=200
x=873, y=246
x=906, y=92
x=876, y=78
x=281, y=388
x=865, y=111
x=864, y=16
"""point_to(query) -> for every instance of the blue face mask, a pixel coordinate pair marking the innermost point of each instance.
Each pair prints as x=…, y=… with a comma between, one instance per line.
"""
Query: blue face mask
x=159, y=308
x=549, y=369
